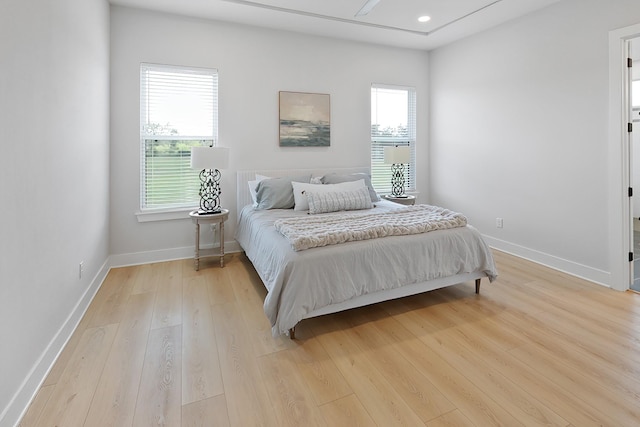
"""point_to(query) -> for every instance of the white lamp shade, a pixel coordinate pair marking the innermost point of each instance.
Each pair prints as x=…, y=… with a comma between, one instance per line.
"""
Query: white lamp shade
x=397, y=155
x=209, y=158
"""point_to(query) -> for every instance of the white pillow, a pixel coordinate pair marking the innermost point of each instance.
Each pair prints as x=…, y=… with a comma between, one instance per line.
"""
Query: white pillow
x=346, y=200
x=334, y=178
x=252, y=187
x=300, y=188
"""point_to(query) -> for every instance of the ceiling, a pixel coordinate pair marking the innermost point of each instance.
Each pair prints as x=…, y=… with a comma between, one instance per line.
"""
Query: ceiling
x=390, y=22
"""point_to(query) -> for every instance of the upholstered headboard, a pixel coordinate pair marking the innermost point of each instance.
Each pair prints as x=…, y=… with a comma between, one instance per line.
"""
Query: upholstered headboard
x=243, y=197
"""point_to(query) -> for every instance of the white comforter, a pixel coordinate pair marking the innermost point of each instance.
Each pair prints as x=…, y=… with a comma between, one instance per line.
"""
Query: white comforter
x=304, y=281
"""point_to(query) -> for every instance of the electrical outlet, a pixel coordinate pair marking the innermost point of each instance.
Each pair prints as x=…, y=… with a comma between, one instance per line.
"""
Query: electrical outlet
x=80, y=268
x=499, y=222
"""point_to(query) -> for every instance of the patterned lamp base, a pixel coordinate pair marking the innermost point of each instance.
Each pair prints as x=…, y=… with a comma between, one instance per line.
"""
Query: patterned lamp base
x=209, y=191
x=397, y=180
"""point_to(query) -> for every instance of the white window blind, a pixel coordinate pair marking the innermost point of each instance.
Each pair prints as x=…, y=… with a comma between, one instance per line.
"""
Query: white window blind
x=393, y=122
x=178, y=110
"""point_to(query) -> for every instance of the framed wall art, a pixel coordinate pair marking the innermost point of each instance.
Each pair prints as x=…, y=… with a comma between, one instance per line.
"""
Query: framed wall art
x=305, y=119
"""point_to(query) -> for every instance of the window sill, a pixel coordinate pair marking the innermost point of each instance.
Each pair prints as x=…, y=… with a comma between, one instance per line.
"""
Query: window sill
x=163, y=215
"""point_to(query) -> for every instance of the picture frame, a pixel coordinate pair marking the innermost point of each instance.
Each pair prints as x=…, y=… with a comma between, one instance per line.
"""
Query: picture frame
x=304, y=119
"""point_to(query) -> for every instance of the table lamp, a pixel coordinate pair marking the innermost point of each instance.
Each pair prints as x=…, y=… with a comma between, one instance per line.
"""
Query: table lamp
x=396, y=157
x=209, y=160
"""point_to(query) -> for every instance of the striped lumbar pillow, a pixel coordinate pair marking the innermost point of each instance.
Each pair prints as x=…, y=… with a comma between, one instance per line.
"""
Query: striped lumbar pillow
x=339, y=201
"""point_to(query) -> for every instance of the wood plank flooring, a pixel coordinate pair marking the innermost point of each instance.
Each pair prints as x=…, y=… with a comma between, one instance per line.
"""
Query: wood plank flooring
x=164, y=345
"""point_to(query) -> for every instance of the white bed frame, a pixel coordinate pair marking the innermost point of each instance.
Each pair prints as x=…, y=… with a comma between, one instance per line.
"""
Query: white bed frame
x=244, y=198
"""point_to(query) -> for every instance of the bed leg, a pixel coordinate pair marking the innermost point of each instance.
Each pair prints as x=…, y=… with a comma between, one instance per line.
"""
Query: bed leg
x=477, y=286
x=292, y=333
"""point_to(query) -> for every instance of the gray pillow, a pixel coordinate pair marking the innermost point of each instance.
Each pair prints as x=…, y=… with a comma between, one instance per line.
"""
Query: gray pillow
x=277, y=193
x=334, y=178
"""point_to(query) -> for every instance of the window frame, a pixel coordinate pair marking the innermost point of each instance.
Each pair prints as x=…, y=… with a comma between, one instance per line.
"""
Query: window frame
x=181, y=77
x=380, y=172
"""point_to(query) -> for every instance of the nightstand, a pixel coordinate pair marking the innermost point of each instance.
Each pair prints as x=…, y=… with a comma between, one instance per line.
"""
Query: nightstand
x=216, y=218
x=407, y=200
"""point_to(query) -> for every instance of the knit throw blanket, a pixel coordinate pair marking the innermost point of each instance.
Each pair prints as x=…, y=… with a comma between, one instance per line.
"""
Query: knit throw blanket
x=323, y=230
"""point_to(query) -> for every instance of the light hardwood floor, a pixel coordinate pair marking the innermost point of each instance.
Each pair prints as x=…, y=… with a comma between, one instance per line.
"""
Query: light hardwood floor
x=164, y=345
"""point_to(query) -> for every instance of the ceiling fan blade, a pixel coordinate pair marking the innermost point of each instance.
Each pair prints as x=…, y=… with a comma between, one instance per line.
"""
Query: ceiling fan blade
x=367, y=7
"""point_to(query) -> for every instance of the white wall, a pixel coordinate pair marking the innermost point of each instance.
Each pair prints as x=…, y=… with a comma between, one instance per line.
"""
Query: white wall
x=519, y=131
x=254, y=64
x=54, y=94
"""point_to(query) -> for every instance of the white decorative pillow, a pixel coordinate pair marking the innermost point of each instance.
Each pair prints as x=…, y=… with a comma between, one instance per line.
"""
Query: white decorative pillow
x=334, y=178
x=300, y=190
x=339, y=200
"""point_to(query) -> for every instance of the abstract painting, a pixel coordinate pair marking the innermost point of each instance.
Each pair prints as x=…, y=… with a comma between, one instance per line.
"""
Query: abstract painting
x=304, y=119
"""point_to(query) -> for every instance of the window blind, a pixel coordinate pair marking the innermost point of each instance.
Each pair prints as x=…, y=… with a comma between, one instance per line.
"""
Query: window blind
x=393, y=122
x=178, y=110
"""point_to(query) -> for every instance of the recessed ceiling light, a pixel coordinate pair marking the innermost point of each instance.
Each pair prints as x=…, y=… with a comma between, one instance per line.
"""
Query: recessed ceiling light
x=424, y=18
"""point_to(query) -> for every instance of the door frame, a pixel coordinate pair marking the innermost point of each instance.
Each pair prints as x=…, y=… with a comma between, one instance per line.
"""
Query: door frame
x=620, y=218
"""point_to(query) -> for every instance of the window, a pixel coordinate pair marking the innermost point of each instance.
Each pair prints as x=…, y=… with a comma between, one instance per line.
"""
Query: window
x=178, y=110
x=393, y=122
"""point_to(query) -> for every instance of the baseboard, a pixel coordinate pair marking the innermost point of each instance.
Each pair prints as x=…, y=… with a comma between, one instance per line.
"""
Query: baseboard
x=20, y=402
x=591, y=274
x=138, y=258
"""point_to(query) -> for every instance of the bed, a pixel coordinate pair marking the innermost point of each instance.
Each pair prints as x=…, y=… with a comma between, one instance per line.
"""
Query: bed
x=302, y=284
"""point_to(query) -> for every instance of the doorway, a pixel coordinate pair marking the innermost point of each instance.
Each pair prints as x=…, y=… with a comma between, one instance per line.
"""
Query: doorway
x=620, y=162
x=634, y=156
x=635, y=285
